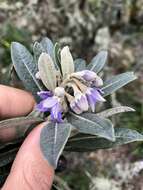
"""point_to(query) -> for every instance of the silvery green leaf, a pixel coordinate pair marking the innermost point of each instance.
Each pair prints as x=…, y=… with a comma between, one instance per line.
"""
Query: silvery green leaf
x=53, y=139
x=15, y=128
x=57, y=58
x=79, y=64
x=7, y=157
x=113, y=111
x=4, y=146
x=117, y=82
x=36, y=113
x=67, y=63
x=25, y=67
x=89, y=123
x=48, y=46
x=37, y=50
x=85, y=143
x=47, y=71
x=98, y=62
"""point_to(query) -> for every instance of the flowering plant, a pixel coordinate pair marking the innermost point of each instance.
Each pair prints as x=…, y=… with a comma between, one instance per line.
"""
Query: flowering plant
x=67, y=92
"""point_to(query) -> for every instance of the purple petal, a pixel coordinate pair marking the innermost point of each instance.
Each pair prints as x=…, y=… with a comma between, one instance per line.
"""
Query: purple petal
x=93, y=95
x=97, y=96
x=82, y=102
x=45, y=94
x=91, y=102
x=41, y=108
x=75, y=107
x=88, y=75
x=56, y=113
x=97, y=82
x=49, y=102
x=100, y=90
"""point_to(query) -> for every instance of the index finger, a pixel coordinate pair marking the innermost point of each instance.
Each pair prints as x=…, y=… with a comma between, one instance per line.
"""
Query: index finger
x=15, y=102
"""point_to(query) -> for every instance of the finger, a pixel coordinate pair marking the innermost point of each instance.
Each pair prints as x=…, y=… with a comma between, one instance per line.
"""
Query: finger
x=30, y=170
x=14, y=102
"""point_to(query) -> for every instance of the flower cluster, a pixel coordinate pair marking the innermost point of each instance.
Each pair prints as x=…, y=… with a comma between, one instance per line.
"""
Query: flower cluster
x=68, y=89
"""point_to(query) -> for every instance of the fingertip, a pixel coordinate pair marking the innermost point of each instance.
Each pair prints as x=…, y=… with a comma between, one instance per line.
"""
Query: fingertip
x=15, y=102
x=30, y=168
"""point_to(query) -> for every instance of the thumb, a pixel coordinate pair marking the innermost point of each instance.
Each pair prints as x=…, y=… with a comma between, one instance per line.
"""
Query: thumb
x=30, y=170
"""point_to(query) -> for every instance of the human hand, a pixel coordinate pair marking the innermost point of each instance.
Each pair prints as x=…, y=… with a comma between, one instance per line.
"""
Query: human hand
x=30, y=170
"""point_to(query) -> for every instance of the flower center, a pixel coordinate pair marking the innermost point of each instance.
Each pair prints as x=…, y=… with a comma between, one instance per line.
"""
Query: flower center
x=59, y=91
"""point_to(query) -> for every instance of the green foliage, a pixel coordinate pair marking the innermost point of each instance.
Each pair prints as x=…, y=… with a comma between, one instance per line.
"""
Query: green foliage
x=16, y=127
x=48, y=46
x=116, y=82
x=89, y=123
x=26, y=68
x=80, y=64
x=98, y=62
x=112, y=111
x=83, y=143
x=54, y=136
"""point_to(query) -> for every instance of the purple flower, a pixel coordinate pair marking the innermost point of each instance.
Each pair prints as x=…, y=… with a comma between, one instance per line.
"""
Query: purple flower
x=56, y=113
x=79, y=104
x=45, y=94
x=94, y=95
x=50, y=104
x=87, y=75
x=75, y=107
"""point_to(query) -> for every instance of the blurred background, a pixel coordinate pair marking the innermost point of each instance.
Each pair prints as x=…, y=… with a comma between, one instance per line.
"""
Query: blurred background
x=88, y=26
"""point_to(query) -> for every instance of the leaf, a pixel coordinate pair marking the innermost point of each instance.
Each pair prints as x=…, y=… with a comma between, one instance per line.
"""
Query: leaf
x=37, y=50
x=47, y=71
x=85, y=143
x=45, y=46
x=48, y=46
x=25, y=67
x=117, y=82
x=98, y=62
x=89, y=123
x=53, y=139
x=15, y=128
x=79, y=64
x=57, y=59
x=7, y=157
x=67, y=63
x=4, y=146
x=113, y=111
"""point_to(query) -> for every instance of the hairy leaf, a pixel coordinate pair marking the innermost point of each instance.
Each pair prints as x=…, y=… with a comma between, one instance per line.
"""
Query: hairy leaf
x=53, y=139
x=115, y=110
x=15, y=128
x=79, y=64
x=89, y=123
x=85, y=143
x=117, y=82
x=67, y=63
x=47, y=71
x=37, y=50
x=4, y=146
x=7, y=157
x=48, y=46
x=57, y=58
x=98, y=62
x=25, y=67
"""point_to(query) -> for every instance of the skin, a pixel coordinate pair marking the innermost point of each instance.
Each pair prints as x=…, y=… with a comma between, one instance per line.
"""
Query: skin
x=30, y=171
